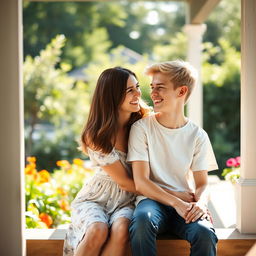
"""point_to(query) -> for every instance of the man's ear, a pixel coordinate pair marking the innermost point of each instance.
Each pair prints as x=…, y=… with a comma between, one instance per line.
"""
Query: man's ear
x=182, y=90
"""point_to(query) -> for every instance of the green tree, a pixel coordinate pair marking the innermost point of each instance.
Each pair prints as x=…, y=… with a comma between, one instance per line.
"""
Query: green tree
x=51, y=97
x=83, y=24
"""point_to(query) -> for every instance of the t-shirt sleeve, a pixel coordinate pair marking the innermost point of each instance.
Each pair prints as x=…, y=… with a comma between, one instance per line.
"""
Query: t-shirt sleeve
x=101, y=159
x=137, y=145
x=204, y=158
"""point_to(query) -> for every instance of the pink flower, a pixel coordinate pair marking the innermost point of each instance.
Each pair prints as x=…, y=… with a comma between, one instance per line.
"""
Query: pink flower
x=238, y=161
x=231, y=162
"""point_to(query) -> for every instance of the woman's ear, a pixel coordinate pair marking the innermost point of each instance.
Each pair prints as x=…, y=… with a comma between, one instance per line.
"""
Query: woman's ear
x=182, y=90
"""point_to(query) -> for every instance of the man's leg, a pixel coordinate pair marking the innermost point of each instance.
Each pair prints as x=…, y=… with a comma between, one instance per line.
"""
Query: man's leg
x=149, y=219
x=200, y=234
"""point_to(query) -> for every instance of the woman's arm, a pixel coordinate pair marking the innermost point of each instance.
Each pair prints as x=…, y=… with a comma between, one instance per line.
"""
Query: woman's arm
x=119, y=174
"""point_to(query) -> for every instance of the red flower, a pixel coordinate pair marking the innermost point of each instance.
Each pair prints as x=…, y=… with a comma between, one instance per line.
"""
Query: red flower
x=238, y=161
x=231, y=162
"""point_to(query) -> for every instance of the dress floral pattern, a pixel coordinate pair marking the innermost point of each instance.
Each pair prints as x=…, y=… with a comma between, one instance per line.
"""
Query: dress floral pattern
x=100, y=200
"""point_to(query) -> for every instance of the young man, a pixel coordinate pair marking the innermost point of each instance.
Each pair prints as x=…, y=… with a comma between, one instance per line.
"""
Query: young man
x=170, y=158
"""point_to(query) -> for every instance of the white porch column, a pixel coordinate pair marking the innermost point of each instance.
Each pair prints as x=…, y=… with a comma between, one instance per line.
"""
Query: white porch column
x=246, y=212
x=11, y=130
x=195, y=104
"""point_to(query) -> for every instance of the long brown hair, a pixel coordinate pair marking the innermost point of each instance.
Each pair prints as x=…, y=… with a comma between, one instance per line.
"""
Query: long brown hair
x=102, y=125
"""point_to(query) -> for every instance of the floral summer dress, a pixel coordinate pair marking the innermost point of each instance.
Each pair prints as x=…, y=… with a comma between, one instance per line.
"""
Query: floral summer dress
x=100, y=200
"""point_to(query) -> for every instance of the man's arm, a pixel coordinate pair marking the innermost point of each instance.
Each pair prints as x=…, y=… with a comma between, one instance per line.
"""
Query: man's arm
x=151, y=190
x=199, y=209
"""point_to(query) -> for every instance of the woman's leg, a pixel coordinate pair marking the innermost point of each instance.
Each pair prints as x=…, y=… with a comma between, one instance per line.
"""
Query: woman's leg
x=117, y=244
x=93, y=240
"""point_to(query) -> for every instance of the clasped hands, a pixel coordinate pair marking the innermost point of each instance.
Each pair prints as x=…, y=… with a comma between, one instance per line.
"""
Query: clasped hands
x=190, y=209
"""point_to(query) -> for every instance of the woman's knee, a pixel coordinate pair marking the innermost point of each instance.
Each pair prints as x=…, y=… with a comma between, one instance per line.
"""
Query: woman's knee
x=96, y=235
x=119, y=231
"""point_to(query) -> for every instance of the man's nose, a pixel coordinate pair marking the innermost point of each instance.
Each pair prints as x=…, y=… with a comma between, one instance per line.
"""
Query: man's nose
x=153, y=91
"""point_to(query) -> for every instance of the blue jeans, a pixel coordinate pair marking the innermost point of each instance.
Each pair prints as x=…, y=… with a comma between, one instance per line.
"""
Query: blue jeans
x=151, y=218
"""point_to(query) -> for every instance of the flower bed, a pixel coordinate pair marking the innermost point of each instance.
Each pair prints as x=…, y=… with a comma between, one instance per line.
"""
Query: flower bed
x=48, y=196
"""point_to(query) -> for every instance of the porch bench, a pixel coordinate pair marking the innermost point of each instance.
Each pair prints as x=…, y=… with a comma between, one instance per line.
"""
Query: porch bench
x=49, y=242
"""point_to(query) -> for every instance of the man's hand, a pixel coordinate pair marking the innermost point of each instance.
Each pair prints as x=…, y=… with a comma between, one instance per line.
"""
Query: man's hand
x=183, y=208
x=197, y=211
x=185, y=196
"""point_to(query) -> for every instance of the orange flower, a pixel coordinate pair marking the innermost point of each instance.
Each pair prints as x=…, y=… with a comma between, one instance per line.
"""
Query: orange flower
x=44, y=176
x=30, y=169
x=62, y=191
x=47, y=219
x=63, y=163
x=31, y=159
x=64, y=205
x=78, y=161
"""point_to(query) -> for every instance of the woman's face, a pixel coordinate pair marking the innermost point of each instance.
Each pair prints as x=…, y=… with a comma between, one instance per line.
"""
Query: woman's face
x=133, y=93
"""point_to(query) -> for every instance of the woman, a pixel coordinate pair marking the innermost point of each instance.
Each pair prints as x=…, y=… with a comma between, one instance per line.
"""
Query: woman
x=102, y=210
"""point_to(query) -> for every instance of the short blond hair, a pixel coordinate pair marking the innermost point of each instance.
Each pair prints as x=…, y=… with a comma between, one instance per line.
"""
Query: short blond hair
x=181, y=73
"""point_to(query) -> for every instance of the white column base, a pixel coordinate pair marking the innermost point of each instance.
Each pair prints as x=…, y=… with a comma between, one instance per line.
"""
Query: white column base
x=246, y=206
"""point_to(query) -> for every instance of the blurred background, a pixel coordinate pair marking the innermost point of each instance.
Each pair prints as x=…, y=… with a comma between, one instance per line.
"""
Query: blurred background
x=67, y=45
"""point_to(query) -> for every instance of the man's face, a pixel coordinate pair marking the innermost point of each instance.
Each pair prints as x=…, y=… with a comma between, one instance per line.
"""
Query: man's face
x=163, y=94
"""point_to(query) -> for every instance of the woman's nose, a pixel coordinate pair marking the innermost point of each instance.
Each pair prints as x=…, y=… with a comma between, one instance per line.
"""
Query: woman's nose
x=138, y=92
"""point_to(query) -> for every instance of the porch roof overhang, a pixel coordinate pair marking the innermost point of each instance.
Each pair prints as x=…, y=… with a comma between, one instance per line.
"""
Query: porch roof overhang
x=197, y=12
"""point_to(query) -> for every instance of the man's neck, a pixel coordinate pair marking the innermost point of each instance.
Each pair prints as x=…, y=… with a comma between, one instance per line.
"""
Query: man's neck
x=171, y=120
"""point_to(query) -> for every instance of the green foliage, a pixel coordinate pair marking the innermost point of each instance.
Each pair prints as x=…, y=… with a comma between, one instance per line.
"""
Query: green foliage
x=224, y=22
x=52, y=97
x=83, y=24
x=222, y=102
x=175, y=48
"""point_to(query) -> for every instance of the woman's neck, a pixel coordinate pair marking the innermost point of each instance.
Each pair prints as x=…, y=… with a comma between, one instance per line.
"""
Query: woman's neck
x=123, y=119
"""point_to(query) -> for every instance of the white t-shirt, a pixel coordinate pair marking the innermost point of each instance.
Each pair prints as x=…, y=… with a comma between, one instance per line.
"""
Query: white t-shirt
x=173, y=154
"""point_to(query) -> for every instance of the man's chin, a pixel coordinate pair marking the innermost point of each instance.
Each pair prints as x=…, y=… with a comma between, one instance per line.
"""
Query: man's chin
x=157, y=109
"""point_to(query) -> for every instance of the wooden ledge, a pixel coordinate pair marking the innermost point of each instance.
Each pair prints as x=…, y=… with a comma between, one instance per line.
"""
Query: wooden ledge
x=49, y=242
x=59, y=234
